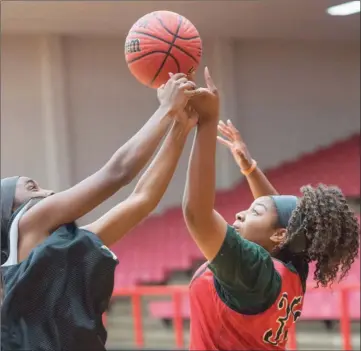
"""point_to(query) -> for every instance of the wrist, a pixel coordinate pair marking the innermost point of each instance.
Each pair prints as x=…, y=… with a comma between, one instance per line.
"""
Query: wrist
x=249, y=169
x=208, y=120
x=168, y=110
x=180, y=129
x=165, y=114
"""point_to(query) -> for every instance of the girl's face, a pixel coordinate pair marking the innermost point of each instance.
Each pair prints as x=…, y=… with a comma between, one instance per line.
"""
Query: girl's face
x=259, y=224
x=27, y=189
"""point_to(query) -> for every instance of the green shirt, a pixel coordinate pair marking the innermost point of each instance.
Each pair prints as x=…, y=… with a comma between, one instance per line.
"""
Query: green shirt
x=245, y=277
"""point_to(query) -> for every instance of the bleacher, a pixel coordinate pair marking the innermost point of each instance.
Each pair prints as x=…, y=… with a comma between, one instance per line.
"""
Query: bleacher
x=164, y=244
x=161, y=245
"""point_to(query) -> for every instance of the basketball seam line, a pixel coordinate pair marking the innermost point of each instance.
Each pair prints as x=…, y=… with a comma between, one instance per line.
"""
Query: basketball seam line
x=154, y=52
x=170, y=32
x=167, y=42
x=169, y=50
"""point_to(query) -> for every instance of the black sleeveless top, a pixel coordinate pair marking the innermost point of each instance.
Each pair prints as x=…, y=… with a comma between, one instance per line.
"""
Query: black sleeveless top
x=54, y=300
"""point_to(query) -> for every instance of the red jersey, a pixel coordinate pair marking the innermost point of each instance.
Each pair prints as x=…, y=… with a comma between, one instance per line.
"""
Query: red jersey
x=215, y=326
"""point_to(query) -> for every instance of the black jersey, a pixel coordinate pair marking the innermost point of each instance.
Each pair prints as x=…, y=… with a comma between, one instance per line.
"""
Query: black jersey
x=54, y=300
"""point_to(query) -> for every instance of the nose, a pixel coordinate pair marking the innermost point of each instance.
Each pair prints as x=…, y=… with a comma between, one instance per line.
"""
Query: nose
x=240, y=216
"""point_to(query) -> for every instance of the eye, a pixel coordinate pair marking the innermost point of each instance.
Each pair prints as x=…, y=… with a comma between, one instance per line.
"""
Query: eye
x=31, y=187
x=254, y=212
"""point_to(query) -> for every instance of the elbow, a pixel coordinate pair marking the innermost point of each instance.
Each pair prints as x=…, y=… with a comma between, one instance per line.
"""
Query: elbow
x=195, y=216
x=126, y=174
x=119, y=174
x=190, y=216
x=145, y=203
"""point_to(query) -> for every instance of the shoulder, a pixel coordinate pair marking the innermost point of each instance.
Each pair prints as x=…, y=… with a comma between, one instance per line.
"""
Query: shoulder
x=245, y=276
x=292, y=273
x=239, y=256
x=75, y=242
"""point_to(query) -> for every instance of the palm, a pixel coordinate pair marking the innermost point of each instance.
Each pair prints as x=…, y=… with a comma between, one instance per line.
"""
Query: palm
x=188, y=117
x=234, y=142
x=205, y=101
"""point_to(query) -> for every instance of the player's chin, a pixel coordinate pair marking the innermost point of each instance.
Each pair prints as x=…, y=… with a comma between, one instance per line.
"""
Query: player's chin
x=238, y=230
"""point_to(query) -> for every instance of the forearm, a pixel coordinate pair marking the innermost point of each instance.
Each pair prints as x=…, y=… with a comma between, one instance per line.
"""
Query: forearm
x=155, y=180
x=259, y=184
x=206, y=226
x=201, y=179
x=131, y=158
x=150, y=188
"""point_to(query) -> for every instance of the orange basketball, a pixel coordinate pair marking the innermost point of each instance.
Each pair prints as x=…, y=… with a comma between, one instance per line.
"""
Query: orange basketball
x=162, y=42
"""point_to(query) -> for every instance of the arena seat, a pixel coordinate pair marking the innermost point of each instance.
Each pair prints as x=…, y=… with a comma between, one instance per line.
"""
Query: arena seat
x=319, y=304
x=162, y=245
x=165, y=309
x=319, y=167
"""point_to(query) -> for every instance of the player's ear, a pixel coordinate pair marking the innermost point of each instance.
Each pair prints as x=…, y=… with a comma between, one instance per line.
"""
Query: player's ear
x=279, y=236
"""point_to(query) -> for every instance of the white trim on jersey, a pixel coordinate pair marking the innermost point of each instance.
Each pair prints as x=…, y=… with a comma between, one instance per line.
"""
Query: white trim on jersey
x=13, y=237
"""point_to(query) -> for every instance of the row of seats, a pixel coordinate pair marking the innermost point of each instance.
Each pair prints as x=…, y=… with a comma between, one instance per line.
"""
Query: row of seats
x=319, y=304
x=162, y=245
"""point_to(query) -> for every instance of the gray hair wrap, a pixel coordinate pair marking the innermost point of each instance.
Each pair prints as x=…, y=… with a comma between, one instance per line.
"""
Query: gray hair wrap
x=8, y=187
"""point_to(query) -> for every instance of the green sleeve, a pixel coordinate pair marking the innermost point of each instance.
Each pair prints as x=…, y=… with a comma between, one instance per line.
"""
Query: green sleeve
x=245, y=277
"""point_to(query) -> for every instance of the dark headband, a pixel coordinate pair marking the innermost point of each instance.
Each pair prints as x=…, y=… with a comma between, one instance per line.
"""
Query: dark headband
x=285, y=205
x=8, y=187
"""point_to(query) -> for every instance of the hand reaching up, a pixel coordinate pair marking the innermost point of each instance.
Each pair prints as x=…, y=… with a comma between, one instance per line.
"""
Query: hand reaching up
x=232, y=139
x=205, y=100
x=188, y=118
x=172, y=95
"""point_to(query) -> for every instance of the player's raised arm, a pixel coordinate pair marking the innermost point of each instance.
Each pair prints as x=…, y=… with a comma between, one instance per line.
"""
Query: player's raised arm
x=231, y=257
x=123, y=166
x=207, y=227
x=257, y=181
x=150, y=188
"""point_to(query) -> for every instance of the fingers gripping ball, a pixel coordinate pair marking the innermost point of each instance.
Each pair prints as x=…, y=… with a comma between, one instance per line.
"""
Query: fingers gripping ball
x=162, y=42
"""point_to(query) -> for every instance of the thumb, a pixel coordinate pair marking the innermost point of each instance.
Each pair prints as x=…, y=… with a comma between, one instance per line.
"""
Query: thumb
x=209, y=81
x=192, y=76
x=196, y=92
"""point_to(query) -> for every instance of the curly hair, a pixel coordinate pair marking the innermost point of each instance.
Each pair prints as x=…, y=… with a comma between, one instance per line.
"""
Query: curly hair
x=324, y=229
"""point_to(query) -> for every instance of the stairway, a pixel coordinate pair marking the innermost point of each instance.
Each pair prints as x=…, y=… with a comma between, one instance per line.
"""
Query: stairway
x=159, y=335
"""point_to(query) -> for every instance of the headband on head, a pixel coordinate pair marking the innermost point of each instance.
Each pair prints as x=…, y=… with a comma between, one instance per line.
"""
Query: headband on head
x=285, y=205
x=8, y=187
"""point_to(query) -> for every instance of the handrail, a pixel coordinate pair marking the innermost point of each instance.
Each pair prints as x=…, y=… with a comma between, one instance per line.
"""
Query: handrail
x=177, y=291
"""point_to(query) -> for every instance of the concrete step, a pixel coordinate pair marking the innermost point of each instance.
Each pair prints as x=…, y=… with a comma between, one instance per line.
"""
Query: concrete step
x=164, y=338
x=151, y=339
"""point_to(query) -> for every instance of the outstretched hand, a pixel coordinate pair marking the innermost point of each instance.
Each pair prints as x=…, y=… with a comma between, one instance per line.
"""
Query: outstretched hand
x=172, y=95
x=187, y=119
x=205, y=101
x=232, y=139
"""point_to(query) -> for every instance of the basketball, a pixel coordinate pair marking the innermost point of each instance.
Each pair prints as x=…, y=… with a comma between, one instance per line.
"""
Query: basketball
x=162, y=42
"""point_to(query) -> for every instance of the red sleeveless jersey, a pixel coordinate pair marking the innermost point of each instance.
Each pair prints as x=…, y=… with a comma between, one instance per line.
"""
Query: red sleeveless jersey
x=215, y=326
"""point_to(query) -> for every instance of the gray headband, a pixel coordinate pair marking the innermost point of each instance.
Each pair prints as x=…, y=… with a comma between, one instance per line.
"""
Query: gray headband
x=8, y=187
x=285, y=205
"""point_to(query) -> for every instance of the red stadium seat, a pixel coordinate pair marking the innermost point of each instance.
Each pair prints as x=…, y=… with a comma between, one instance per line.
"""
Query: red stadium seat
x=161, y=244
